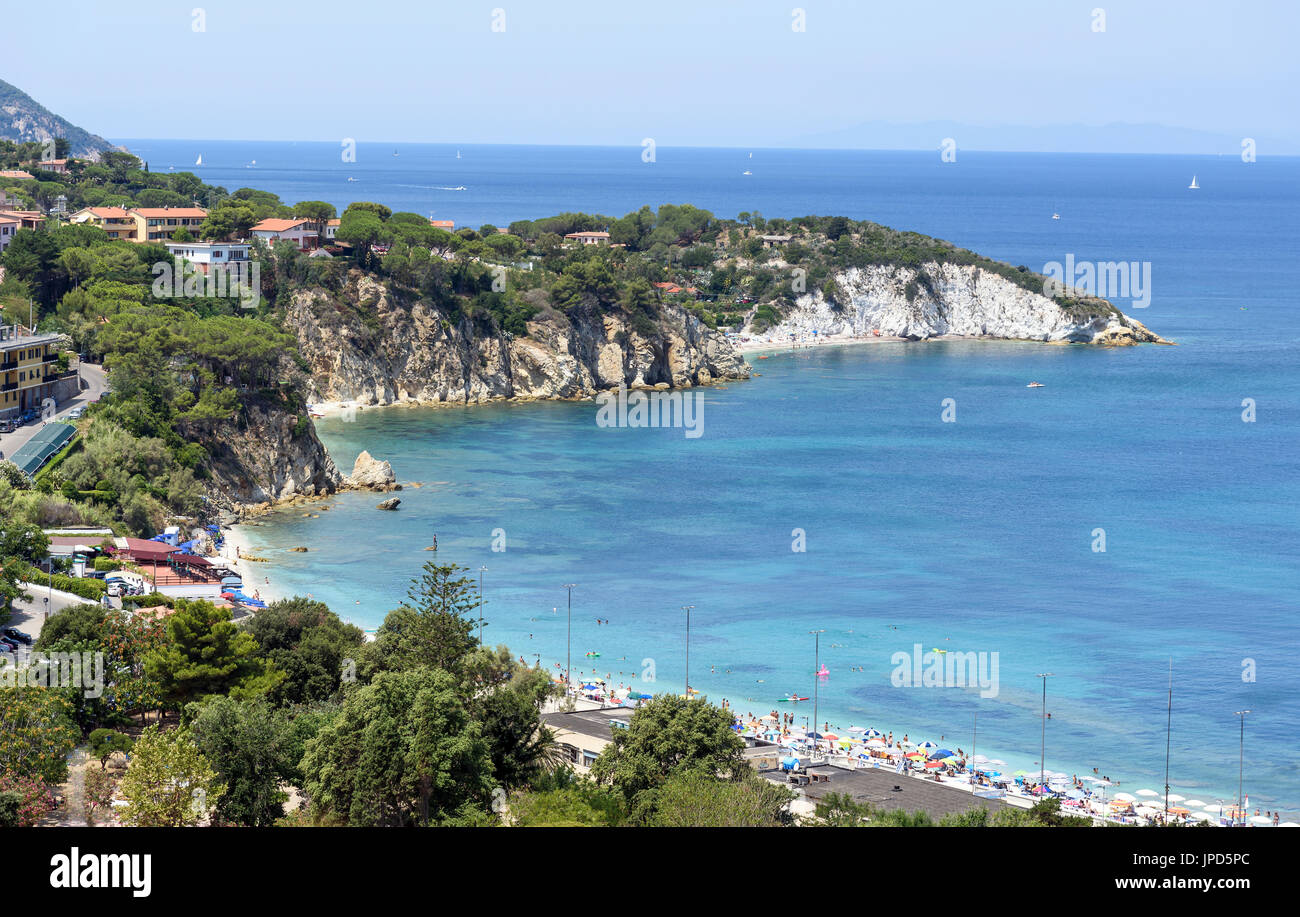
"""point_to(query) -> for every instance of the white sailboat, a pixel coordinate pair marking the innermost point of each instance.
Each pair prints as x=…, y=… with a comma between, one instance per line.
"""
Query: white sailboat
x=458, y=154
x=199, y=161
x=1193, y=186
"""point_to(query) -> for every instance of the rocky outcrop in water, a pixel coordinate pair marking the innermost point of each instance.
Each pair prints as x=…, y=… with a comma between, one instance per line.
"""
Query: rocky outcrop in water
x=953, y=299
x=372, y=346
x=368, y=473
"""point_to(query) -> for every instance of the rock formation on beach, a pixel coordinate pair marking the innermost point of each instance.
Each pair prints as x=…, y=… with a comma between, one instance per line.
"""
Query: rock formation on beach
x=369, y=473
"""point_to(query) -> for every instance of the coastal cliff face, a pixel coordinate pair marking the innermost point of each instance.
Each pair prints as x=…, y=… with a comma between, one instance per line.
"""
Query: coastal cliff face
x=268, y=456
x=953, y=299
x=369, y=346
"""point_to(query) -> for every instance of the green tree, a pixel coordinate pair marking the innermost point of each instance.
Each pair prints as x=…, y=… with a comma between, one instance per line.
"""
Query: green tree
x=104, y=742
x=693, y=799
x=170, y=783
x=668, y=736
x=248, y=745
x=206, y=653
x=402, y=751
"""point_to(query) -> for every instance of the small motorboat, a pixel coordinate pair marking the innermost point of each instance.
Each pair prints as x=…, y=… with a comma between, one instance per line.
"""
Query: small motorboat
x=1034, y=385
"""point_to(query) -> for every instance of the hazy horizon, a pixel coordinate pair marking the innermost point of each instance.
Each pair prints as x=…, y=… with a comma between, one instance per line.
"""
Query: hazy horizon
x=1007, y=76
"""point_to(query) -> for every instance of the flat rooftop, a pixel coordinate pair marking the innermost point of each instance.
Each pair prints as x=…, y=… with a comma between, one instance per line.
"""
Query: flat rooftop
x=886, y=789
x=8, y=341
x=594, y=723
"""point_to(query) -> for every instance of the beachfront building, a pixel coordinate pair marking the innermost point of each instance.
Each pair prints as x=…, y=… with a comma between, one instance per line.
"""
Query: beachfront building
x=448, y=225
x=589, y=237
x=16, y=174
x=116, y=221
x=331, y=229
x=301, y=232
x=27, y=373
x=769, y=241
x=207, y=254
x=581, y=735
x=158, y=224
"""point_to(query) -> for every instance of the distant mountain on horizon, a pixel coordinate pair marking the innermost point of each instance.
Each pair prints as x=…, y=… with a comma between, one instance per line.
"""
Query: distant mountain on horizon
x=1048, y=138
x=24, y=120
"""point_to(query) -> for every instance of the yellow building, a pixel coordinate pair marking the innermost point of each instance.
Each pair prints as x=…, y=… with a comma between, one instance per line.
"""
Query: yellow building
x=118, y=223
x=26, y=369
x=157, y=224
x=142, y=224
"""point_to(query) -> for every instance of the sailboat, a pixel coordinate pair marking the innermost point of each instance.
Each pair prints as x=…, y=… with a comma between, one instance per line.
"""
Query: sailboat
x=199, y=161
x=747, y=172
x=1193, y=186
x=458, y=154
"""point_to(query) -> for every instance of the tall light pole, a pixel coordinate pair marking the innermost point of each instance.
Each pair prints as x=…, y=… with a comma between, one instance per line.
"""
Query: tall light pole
x=1169, y=732
x=687, y=609
x=1241, y=759
x=1042, y=754
x=817, y=657
x=568, y=653
x=481, y=571
x=975, y=732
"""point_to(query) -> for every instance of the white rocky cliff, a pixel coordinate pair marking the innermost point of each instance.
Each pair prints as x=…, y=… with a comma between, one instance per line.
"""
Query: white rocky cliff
x=958, y=299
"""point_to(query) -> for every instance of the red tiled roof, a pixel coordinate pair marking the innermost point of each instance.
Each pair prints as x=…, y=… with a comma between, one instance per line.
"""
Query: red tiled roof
x=278, y=225
x=156, y=212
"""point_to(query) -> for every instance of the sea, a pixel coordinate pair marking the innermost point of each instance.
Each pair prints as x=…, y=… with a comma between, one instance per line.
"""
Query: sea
x=1130, y=527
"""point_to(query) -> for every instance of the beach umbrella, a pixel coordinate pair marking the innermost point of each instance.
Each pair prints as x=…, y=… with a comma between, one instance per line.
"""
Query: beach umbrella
x=942, y=753
x=999, y=762
x=830, y=737
x=915, y=756
x=1179, y=810
x=874, y=733
x=1289, y=824
x=876, y=743
x=1147, y=793
x=981, y=759
x=1075, y=794
x=1194, y=803
x=1210, y=815
x=856, y=729
x=1019, y=773
x=768, y=716
x=927, y=745
x=933, y=765
x=1174, y=797
x=1124, y=797
x=1261, y=820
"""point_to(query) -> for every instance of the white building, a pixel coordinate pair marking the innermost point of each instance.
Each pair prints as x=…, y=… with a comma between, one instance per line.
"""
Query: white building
x=206, y=254
x=301, y=232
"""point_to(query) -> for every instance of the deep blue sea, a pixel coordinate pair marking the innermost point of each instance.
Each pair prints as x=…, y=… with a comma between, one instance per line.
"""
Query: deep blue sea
x=974, y=536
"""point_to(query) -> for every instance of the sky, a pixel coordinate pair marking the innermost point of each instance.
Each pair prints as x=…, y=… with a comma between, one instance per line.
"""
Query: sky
x=1015, y=74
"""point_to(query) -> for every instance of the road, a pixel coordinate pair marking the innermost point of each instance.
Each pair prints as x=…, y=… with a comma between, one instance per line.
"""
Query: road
x=95, y=381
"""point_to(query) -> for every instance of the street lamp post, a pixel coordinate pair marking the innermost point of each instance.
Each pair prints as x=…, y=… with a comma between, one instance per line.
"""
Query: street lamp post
x=817, y=657
x=568, y=652
x=481, y=571
x=1241, y=759
x=1042, y=753
x=687, y=609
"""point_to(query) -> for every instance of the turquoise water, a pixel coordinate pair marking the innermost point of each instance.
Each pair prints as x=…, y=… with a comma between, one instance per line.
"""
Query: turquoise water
x=972, y=536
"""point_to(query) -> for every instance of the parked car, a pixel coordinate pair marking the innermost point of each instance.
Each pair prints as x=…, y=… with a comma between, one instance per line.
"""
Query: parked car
x=30, y=417
x=18, y=635
x=7, y=426
x=9, y=642
x=76, y=412
x=6, y=648
x=115, y=590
